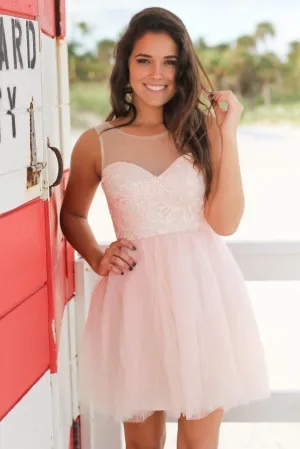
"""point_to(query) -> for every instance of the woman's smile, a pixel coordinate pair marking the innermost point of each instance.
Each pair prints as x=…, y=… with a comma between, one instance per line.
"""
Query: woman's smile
x=155, y=88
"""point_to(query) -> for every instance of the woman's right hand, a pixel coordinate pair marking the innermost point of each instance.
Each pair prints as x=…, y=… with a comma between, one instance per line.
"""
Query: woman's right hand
x=115, y=259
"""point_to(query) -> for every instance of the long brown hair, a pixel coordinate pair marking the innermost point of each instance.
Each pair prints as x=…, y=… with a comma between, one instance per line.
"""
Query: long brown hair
x=186, y=125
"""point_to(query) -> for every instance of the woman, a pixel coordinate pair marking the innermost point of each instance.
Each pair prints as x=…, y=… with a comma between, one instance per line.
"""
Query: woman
x=171, y=330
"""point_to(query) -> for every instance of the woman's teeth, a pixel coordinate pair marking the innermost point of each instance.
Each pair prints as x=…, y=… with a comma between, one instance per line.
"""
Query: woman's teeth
x=155, y=88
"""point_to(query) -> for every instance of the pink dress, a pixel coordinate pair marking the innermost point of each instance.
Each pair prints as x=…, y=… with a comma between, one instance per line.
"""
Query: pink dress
x=178, y=333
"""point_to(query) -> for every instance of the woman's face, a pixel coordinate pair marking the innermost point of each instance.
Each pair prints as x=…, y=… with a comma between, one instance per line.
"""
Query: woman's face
x=152, y=69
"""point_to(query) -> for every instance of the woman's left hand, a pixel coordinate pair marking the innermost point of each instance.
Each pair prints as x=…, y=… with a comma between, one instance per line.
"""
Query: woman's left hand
x=228, y=120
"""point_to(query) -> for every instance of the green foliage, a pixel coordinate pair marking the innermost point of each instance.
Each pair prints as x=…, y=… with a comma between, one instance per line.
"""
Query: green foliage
x=259, y=79
x=89, y=102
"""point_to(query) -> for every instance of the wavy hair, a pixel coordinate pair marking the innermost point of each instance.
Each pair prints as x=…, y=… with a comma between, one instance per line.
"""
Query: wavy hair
x=187, y=125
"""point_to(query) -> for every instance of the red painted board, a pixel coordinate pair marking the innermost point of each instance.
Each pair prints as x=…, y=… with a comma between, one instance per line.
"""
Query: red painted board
x=75, y=438
x=57, y=302
x=71, y=438
x=47, y=17
x=70, y=271
x=20, y=8
x=24, y=349
x=23, y=267
x=56, y=234
x=59, y=272
x=56, y=267
x=70, y=254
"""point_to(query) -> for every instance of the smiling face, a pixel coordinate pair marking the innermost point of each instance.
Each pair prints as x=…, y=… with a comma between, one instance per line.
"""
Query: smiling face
x=152, y=69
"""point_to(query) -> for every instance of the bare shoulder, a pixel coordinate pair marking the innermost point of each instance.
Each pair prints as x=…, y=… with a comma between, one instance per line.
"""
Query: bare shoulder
x=87, y=151
x=88, y=142
x=83, y=179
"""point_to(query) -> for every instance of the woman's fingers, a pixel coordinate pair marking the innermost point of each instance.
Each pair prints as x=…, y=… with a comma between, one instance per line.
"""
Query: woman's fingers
x=120, y=260
x=125, y=259
x=115, y=269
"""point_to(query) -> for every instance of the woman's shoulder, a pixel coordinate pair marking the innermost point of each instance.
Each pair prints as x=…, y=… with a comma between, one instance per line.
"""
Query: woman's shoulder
x=87, y=144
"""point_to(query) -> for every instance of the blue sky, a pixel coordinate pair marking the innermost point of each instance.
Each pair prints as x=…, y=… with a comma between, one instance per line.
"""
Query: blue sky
x=215, y=20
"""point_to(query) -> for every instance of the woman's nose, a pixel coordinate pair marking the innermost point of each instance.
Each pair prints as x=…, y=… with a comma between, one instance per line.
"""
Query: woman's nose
x=156, y=71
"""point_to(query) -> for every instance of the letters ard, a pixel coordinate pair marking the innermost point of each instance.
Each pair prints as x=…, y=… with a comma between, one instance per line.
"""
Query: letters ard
x=12, y=58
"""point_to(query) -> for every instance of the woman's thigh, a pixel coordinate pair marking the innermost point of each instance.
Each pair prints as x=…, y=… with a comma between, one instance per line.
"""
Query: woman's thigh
x=200, y=433
x=149, y=434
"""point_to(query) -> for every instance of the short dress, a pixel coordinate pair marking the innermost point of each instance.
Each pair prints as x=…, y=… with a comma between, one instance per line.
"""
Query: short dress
x=177, y=333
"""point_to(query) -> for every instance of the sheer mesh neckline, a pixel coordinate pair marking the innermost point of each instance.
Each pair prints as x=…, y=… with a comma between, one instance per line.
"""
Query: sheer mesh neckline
x=135, y=135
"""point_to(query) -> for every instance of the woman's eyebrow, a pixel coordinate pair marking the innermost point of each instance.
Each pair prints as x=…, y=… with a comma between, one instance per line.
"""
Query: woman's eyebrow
x=149, y=56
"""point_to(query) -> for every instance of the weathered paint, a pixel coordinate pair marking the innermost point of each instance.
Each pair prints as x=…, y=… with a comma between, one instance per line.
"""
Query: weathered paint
x=51, y=122
x=61, y=389
x=20, y=8
x=56, y=266
x=35, y=168
x=61, y=19
x=20, y=87
x=34, y=107
x=47, y=17
x=70, y=254
x=64, y=101
x=51, y=23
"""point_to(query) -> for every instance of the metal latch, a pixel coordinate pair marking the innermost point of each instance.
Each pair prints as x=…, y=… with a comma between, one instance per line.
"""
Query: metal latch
x=35, y=168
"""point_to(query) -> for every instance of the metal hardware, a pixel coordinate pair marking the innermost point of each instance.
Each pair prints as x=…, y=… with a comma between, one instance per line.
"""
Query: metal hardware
x=60, y=166
x=35, y=168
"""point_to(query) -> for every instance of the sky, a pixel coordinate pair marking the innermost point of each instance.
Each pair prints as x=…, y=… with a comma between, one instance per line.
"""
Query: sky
x=214, y=20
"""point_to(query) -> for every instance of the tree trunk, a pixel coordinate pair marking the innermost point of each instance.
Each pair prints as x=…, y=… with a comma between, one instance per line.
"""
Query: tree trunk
x=266, y=94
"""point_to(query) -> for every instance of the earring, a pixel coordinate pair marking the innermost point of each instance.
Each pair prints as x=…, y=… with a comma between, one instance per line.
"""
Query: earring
x=128, y=92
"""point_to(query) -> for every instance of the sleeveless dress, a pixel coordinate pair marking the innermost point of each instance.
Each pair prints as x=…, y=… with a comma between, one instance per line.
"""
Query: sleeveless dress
x=178, y=332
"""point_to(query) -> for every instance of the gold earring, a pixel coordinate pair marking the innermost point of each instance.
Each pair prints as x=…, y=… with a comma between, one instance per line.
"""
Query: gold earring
x=128, y=92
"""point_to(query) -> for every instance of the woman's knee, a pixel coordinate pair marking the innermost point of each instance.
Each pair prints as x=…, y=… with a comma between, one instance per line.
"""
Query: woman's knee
x=150, y=434
x=156, y=442
x=200, y=433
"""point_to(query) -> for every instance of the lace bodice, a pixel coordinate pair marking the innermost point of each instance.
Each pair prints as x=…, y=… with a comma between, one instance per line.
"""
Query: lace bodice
x=150, y=188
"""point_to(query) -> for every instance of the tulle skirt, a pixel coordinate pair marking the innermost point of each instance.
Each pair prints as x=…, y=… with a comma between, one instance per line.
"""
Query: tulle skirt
x=178, y=333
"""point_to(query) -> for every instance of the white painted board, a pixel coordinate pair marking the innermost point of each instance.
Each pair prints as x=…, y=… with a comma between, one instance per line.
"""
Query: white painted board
x=20, y=84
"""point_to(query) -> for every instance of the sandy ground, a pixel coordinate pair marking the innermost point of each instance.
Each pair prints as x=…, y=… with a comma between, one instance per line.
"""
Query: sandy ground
x=270, y=165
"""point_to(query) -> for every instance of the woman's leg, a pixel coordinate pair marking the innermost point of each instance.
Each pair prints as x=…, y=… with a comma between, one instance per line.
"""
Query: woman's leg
x=200, y=433
x=149, y=434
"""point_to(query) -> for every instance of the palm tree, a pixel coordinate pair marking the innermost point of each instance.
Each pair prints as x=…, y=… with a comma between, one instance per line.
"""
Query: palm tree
x=84, y=28
x=245, y=42
x=200, y=44
x=263, y=31
x=268, y=62
x=105, y=50
x=268, y=66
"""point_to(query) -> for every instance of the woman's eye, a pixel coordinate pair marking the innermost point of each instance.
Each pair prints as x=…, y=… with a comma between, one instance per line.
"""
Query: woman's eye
x=142, y=61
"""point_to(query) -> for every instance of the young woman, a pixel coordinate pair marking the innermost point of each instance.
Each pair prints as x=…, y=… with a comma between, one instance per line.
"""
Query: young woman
x=170, y=331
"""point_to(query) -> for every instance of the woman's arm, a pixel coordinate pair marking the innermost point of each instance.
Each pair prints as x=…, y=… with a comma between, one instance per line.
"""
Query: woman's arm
x=81, y=188
x=225, y=205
